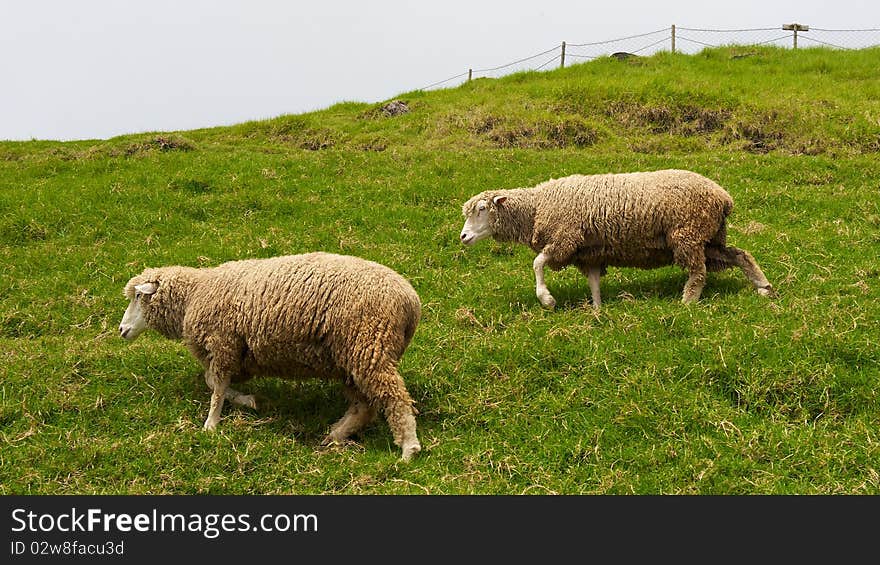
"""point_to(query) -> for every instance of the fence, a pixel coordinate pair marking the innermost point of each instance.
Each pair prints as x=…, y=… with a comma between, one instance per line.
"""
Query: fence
x=677, y=40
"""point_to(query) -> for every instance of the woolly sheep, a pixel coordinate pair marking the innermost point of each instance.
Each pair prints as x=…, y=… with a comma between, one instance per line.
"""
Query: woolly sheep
x=643, y=219
x=297, y=316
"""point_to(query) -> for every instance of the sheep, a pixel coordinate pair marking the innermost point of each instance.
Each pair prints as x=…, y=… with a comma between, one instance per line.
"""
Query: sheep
x=643, y=219
x=296, y=316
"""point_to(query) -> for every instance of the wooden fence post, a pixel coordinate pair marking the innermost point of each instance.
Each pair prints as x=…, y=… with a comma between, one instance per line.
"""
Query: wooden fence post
x=562, y=57
x=673, y=38
x=470, y=74
x=794, y=28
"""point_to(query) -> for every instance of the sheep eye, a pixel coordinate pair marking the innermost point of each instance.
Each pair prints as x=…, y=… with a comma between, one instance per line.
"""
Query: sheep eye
x=137, y=295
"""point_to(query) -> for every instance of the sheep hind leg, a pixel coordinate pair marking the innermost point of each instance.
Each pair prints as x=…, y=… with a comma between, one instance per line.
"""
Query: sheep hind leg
x=752, y=271
x=239, y=399
x=691, y=258
x=358, y=415
x=385, y=389
x=232, y=395
x=735, y=257
x=594, y=275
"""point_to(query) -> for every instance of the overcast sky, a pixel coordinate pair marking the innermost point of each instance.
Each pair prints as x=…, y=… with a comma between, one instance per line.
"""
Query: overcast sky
x=88, y=69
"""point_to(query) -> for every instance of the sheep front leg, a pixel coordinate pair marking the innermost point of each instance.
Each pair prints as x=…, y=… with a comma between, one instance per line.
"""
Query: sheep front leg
x=358, y=415
x=222, y=366
x=217, y=397
x=541, y=291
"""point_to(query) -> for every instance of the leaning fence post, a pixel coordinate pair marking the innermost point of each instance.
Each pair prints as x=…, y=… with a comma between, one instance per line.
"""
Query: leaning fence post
x=470, y=74
x=673, y=38
x=562, y=57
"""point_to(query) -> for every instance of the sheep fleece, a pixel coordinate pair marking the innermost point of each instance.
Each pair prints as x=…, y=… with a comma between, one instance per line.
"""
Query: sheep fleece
x=310, y=315
x=612, y=219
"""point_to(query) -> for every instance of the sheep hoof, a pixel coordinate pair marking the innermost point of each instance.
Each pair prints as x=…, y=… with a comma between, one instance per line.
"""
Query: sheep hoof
x=248, y=400
x=767, y=291
x=547, y=301
x=409, y=451
x=330, y=441
x=209, y=426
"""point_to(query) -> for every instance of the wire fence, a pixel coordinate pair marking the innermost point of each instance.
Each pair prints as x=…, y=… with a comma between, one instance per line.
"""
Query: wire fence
x=675, y=39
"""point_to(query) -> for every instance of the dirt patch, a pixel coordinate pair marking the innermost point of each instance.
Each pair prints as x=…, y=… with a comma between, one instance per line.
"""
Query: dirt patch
x=683, y=119
x=572, y=132
x=514, y=135
x=483, y=123
x=10, y=156
x=315, y=140
x=375, y=144
x=811, y=146
x=160, y=143
x=702, y=120
x=569, y=131
x=173, y=143
x=296, y=131
x=759, y=134
x=309, y=139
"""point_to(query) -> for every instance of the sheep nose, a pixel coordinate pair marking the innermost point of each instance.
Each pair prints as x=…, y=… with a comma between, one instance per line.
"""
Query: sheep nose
x=123, y=331
x=463, y=235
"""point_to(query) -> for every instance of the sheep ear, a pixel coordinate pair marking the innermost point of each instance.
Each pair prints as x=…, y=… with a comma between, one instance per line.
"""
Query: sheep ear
x=147, y=287
x=499, y=200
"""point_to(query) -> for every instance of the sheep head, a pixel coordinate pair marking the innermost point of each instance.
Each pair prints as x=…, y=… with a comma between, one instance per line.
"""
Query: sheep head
x=134, y=321
x=478, y=212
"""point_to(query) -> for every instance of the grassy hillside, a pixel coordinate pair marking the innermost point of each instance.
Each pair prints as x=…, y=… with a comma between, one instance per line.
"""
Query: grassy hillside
x=735, y=394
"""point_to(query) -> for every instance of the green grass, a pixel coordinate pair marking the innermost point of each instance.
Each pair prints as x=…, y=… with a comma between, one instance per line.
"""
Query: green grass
x=735, y=394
